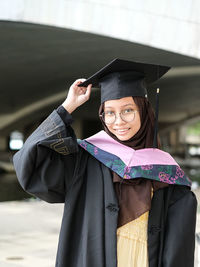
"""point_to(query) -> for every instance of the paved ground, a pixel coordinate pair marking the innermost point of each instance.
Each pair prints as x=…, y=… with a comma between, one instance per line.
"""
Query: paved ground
x=29, y=233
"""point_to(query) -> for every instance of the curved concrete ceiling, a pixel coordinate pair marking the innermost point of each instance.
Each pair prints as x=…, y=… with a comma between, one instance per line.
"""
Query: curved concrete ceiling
x=38, y=63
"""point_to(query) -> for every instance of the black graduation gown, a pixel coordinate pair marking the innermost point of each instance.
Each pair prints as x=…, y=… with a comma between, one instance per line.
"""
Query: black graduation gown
x=54, y=168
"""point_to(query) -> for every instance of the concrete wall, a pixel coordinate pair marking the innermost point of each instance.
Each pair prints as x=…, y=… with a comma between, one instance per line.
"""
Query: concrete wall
x=166, y=24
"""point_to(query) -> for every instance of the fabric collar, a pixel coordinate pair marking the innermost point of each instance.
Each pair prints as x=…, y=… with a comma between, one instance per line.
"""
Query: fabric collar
x=150, y=163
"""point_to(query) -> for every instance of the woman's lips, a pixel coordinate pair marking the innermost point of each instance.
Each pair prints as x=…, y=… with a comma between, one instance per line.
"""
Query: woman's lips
x=121, y=131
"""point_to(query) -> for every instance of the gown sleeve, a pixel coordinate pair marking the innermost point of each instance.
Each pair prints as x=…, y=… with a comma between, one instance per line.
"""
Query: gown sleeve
x=179, y=244
x=46, y=163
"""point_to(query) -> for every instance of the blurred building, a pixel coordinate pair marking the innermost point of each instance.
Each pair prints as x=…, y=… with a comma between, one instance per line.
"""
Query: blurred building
x=47, y=44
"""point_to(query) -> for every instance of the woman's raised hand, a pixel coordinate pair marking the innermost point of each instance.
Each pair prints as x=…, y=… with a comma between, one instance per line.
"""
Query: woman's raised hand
x=77, y=96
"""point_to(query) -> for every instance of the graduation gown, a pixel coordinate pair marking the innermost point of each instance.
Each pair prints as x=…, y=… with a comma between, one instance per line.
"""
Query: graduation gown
x=52, y=166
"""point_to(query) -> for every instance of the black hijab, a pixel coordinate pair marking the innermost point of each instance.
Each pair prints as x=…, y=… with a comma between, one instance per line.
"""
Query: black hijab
x=134, y=195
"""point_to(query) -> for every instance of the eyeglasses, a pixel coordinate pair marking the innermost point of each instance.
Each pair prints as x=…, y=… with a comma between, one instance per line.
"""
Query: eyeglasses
x=126, y=115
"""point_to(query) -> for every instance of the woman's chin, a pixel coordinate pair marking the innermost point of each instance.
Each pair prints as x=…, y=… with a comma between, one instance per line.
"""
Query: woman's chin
x=123, y=137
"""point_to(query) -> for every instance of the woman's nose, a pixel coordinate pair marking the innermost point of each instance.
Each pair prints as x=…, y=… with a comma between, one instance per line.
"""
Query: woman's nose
x=118, y=119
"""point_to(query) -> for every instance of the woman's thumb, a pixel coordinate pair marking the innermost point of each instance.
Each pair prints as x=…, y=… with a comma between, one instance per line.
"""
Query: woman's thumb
x=88, y=91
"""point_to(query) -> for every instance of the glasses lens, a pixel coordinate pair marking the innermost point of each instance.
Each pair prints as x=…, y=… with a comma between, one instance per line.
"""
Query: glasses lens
x=108, y=118
x=128, y=115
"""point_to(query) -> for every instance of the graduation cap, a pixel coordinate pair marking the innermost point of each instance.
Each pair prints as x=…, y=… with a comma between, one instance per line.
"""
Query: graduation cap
x=122, y=78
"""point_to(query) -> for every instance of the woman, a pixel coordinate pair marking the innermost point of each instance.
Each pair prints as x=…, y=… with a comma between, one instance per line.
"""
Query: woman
x=127, y=203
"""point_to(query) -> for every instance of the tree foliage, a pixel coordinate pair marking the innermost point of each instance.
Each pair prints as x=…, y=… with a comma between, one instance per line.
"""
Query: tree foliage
x=194, y=129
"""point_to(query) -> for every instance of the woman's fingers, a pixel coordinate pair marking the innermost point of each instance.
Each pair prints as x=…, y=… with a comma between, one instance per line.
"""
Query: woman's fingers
x=86, y=91
x=79, y=90
x=82, y=90
x=78, y=81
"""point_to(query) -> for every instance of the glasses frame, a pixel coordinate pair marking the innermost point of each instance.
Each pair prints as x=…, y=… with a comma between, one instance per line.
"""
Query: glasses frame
x=102, y=117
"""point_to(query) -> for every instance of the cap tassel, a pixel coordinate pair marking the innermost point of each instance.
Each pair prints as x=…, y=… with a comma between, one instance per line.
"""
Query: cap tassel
x=155, y=140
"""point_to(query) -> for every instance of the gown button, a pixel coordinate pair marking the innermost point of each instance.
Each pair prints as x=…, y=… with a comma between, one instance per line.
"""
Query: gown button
x=112, y=207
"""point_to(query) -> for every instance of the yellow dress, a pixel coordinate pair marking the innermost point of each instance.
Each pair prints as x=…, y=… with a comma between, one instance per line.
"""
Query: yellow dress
x=132, y=243
x=132, y=248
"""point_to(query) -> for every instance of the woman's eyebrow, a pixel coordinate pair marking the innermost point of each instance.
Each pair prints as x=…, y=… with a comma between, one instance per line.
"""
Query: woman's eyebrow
x=128, y=105
x=122, y=105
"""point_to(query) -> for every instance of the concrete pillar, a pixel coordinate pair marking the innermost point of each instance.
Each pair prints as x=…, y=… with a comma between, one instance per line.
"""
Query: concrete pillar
x=3, y=143
x=78, y=128
x=182, y=135
x=173, y=137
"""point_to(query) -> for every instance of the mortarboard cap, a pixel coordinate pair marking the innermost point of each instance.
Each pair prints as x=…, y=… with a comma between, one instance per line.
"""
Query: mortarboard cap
x=122, y=78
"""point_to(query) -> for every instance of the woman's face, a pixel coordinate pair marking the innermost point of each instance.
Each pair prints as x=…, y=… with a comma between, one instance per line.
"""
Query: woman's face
x=121, y=129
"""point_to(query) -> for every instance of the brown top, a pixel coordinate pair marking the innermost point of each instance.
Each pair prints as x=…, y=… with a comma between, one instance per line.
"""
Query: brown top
x=134, y=197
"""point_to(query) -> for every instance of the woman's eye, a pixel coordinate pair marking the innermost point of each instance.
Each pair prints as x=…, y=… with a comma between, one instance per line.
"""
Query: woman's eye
x=109, y=113
x=128, y=110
